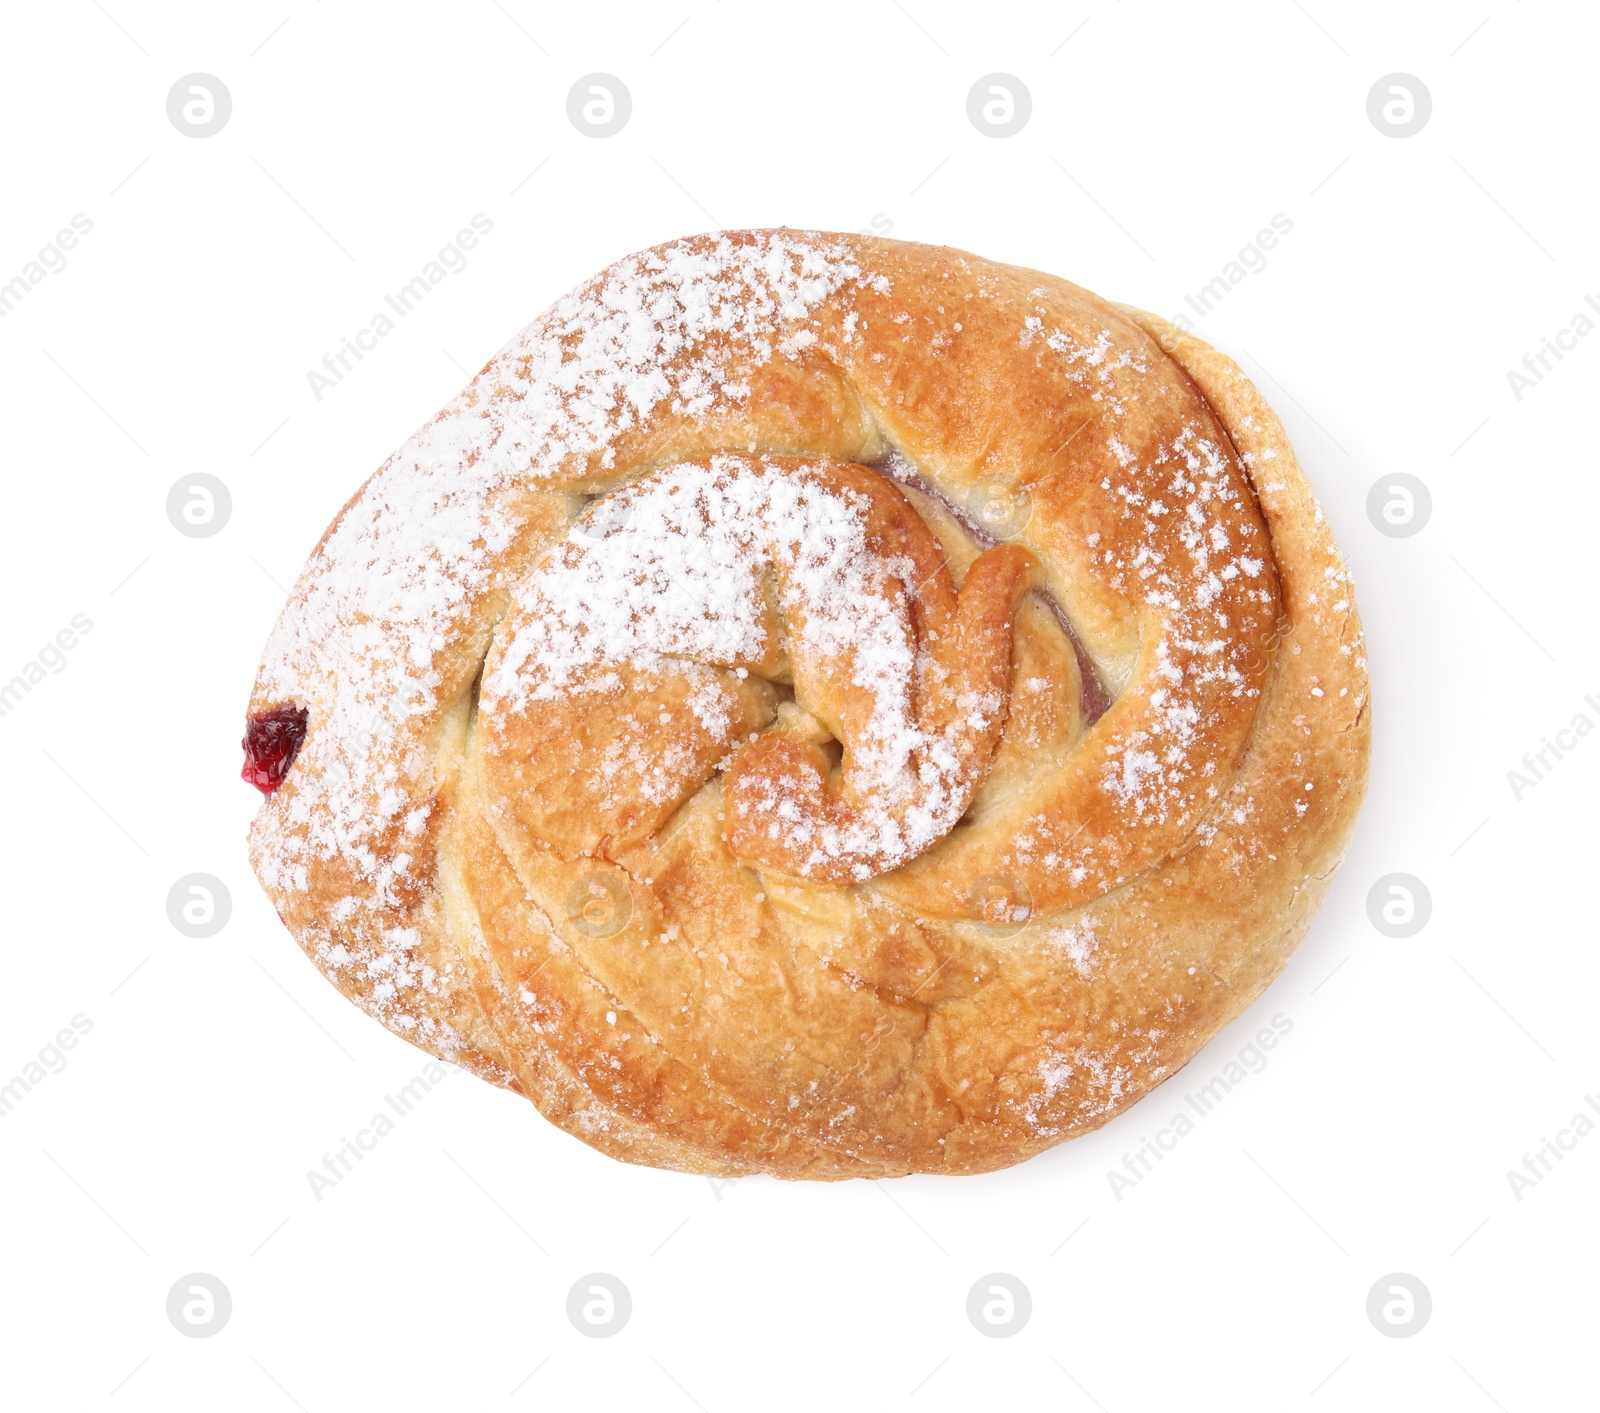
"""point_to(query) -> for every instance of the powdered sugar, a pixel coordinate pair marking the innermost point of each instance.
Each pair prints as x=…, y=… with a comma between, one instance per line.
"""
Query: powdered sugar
x=400, y=569
x=1076, y=938
x=676, y=583
x=1153, y=772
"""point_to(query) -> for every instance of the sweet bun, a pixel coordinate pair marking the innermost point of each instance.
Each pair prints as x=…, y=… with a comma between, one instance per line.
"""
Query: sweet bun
x=820, y=706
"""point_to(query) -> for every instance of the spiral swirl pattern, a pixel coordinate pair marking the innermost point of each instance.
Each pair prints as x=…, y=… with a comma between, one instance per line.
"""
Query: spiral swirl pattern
x=821, y=706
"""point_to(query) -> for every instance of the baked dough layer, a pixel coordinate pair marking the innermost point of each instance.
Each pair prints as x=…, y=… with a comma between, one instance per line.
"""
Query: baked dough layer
x=981, y=740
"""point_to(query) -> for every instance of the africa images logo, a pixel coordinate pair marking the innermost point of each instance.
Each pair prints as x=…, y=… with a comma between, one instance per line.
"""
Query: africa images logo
x=451, y=259
x=1251, y=1059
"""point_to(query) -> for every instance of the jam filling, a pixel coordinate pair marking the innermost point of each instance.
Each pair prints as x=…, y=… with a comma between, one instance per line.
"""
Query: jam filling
x=271, y=742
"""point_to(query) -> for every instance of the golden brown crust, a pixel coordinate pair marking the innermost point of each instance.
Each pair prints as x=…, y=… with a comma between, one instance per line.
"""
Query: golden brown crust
x=513, y=846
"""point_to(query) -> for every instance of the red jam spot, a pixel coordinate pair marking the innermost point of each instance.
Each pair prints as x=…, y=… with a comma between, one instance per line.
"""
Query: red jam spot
x=271, y=742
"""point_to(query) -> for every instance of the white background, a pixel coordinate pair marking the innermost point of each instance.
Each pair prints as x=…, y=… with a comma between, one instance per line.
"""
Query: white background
x=177, y=340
